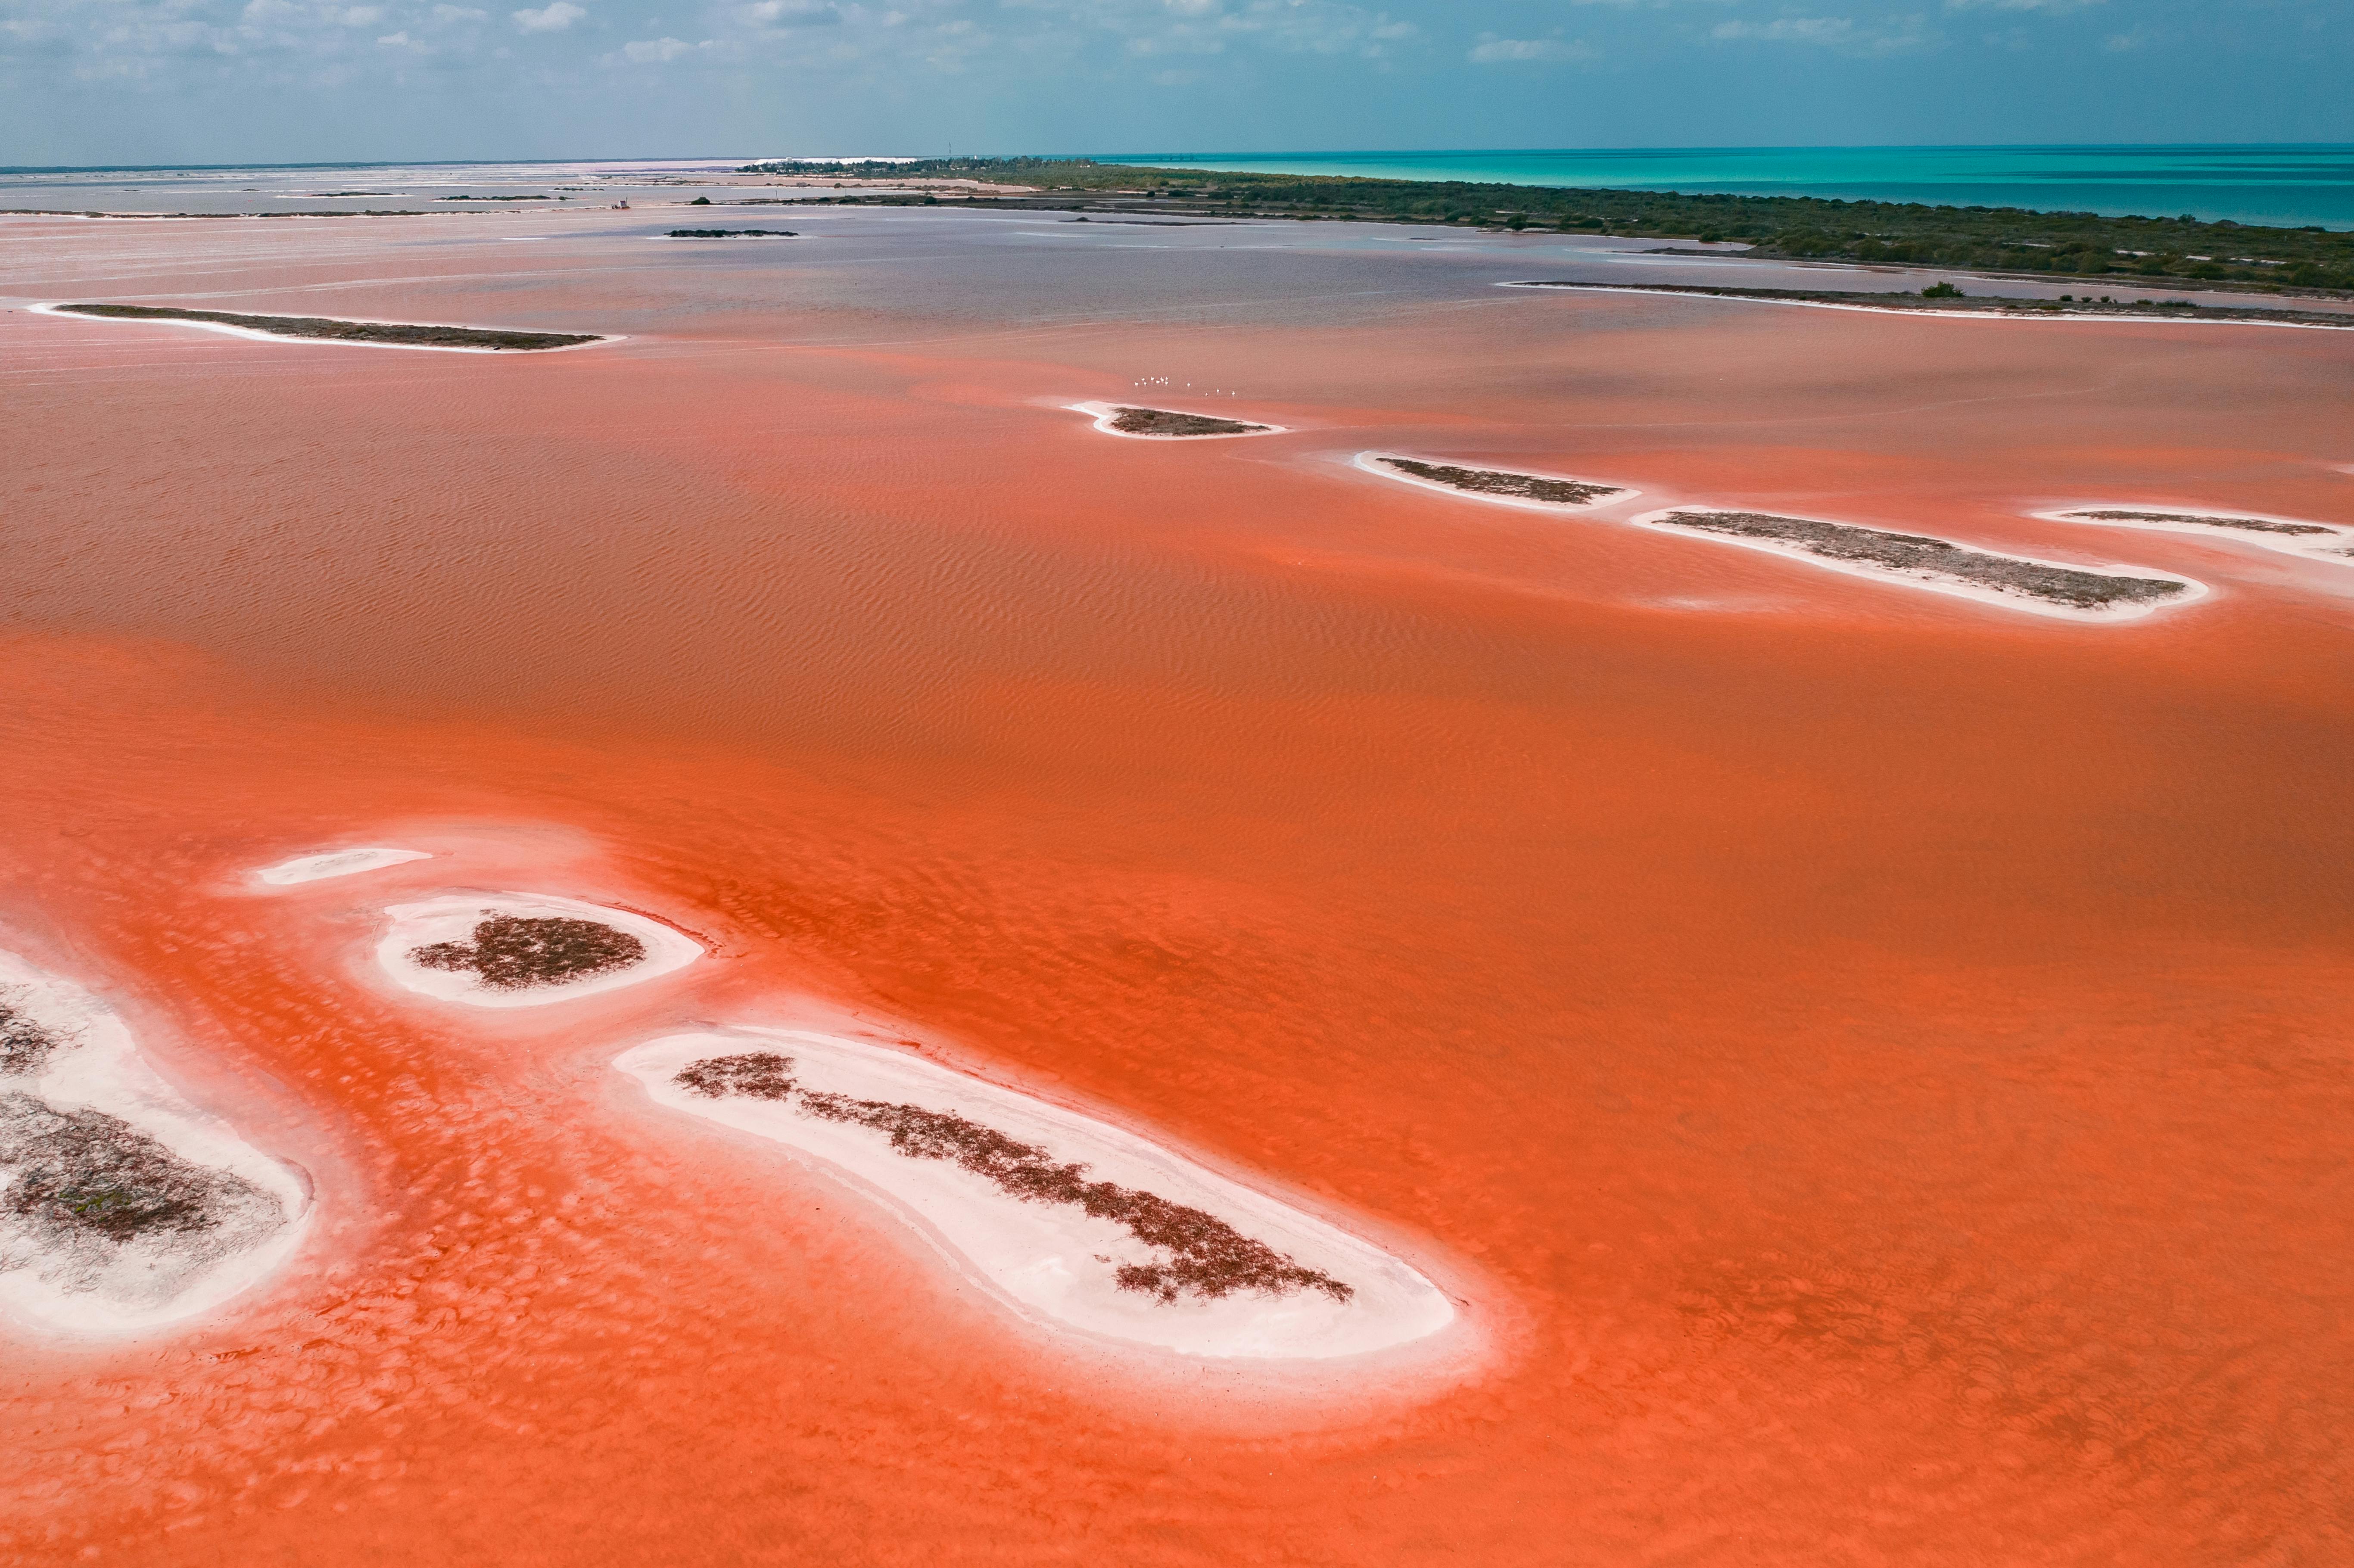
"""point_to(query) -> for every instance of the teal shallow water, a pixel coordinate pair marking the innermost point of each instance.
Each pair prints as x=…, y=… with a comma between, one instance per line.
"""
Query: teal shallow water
x=2289, y=185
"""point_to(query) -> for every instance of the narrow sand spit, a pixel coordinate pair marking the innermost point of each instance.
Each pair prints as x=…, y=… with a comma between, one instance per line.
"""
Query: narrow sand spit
x=2107, y=595
x=1074, y=1221
x=1542, y=492
x=335, y=863
x=1982, y=308
x=516, y=949
x=1136, y=422
x=349, y=332
x=2298, y=536
x=121, y=1207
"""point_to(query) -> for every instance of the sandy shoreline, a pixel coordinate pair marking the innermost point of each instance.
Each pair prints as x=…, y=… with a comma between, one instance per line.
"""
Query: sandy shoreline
x=150, y=1210
x=1052, y=1261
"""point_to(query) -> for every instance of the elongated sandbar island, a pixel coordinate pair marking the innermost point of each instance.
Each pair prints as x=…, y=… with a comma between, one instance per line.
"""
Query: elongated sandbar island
x=335, y=863
x=1167, y=424
x=1940, y=565
x=2330, y=541
x=1505, y=485
x=1078, y=1224
x=121, y=1205
x=515, y=949
x=328, y=329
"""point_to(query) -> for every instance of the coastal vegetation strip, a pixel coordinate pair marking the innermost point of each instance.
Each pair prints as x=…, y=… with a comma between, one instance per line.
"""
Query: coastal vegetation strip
x=1981, y=238
x=327, y=328
x=1944, y=299
x=1935, y=562
x=1494, y=483
x=1206, y=1257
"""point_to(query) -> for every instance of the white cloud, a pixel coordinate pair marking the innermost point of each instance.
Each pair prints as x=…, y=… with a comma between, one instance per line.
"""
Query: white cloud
x=2054, y=6
x=552, y=17
x=450, y=15
x=656, y=51
x=1504, y=51
x=355, y=16
x=1789, y=30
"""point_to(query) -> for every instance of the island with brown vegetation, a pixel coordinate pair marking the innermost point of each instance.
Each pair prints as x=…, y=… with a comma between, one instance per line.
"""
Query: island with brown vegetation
x=511, y=952
x=109, y=1222
x=1500, y=483
x=330, y=329
x=2206, y=520
x=1944, y=299
x=1130, y=421
x=1922, y=558
x=732, y=234
x=1207, y=1257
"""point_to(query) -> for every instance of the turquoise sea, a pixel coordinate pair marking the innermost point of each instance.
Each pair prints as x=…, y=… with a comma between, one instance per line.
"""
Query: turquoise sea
x=2288, y=184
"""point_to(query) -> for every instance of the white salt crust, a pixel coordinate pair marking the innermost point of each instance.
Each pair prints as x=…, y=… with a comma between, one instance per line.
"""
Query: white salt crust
x=1103, y=414
x=453, y=917
x=253, y=335
x=334, y=863
x=1052, y=1261
x=148, y=1283
x=1937, y=582
x=2333, y=548
x=1378, y=463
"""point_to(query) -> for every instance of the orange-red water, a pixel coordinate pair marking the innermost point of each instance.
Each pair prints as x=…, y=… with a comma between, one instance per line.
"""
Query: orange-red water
x=1877, y=1066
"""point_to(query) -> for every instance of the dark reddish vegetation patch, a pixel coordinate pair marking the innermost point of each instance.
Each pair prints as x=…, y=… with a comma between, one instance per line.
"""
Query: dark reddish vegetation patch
x=513, y=953
x=82, y=1175
x=1167, y=422
x=1208, y=1256
x=1501, y=482
x=25, y=1046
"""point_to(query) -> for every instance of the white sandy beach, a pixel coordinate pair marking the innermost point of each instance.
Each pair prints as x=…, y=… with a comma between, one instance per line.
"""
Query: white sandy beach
x=103, y=1288
x=334, y=863
x=1103, y=414
x=453, y=917
x=2193, y=590
x=1051, y=1261
x=1379, y=463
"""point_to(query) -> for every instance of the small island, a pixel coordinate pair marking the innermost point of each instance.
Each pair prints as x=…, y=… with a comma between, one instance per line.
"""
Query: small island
x=1938, y=563
x=732, y=234
x=1167, y=424
x=1494, y=483
x=507, y=950
x=1206, y=1257
x=328, y=329
x=2329, y=542
x=510, y=952
x=1078, y=1224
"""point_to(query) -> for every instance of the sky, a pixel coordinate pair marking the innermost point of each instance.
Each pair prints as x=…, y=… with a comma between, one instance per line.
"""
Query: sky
x=104, y=82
